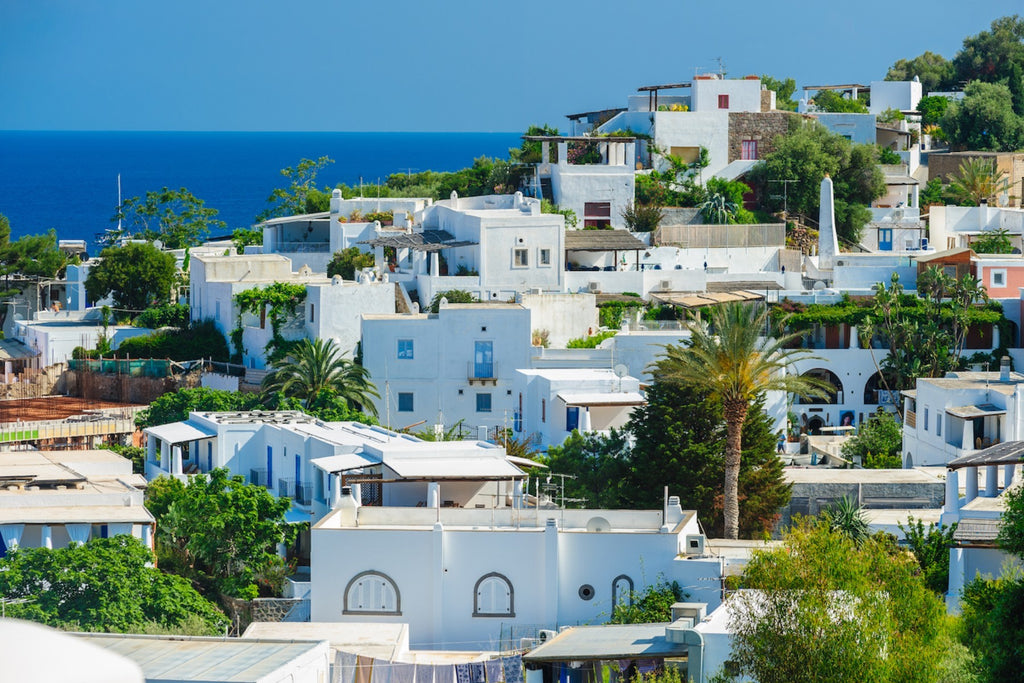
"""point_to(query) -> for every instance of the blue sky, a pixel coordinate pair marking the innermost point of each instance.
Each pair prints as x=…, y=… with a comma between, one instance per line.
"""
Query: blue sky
x=409, y=65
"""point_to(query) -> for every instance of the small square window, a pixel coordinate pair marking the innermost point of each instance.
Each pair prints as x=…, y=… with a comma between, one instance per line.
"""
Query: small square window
x=405, y=403
x=998, y=277
x=723, y=101
x=545, y=257
x=405, y=349
x=520, y=258
x=483, y=403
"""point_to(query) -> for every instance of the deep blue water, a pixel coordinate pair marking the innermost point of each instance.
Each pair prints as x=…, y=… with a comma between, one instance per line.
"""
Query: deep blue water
x=68, y=180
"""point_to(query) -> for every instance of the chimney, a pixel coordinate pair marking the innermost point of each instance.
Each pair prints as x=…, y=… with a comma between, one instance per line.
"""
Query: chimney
x=828, y=240
x=348, y=507
x=1004, y=369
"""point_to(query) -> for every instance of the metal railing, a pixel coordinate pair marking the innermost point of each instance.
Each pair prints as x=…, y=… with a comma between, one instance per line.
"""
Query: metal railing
x=301, y=493
x=258, y=477
x=303, y=247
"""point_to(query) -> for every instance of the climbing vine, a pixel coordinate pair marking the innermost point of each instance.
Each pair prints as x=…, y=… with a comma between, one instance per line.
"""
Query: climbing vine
x=281, y=301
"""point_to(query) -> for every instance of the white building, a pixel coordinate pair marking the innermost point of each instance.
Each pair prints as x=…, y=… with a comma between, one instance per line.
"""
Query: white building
x=53, y=337
x=953, y=227
x=331, y=310
x=457, y=364
x=957, y=415
x=295, y=455
x=985, y=476
x=553, y=403
x=901, y=96
x=482, y=575
x=51, y=498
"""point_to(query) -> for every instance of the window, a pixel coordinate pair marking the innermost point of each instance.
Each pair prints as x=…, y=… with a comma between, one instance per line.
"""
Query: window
x=938, y=424
x=405, y=402
x=520, y=258
x=622, y=590
x=312, y=317
x=372, y=593
x=597, y=214
x=217, y=308
x=998, y=277
x=483, y=403
x=926, y=419
x=572, y=418
x=493, y=596
x=543, y=410
x=723, y=101
x=545, y=257
x=405, y=349
x=748, y=149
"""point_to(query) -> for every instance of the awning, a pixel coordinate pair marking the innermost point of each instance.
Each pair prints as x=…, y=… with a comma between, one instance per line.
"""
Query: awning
x=1006, y=453
x=81, y=513
x=344, y=462
x=428, y=240
x=12, y=349
x=596, y=398
x=631, y=641
x=524, y=462
x=178, y=432
x=705, y=299
x=434, y=468
x=977, y=531
x=970, y=412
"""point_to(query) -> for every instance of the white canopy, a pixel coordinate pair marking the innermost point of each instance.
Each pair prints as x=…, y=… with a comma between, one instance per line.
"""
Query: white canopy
x=344, y=461
x=178, y=432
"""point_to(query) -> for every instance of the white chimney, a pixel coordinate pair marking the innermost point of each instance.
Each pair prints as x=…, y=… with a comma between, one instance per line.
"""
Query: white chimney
x=1004, y=369
x=828, y=240
x=348, y=508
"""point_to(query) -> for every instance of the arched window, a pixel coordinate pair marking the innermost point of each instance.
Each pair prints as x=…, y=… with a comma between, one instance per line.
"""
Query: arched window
x=372, y=593
x=493, y=596
x=622, y=590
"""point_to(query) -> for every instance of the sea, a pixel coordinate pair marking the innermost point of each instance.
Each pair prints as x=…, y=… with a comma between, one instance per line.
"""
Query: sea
x=68, y=181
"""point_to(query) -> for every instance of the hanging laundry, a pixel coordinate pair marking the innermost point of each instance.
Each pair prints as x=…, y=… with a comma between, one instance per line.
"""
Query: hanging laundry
x=425, y=674
x=344, y=667
x=364, y=669
x=493, y=669
x=512, y=667
x=463, y=674
x=402, y=672
x=478, y=672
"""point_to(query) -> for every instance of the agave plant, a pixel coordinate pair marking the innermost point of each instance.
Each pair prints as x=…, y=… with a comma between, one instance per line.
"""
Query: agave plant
x=716, y=208
x=847, y=517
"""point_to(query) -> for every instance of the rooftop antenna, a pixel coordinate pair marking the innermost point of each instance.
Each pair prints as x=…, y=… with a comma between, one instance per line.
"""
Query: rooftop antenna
x=721, y=67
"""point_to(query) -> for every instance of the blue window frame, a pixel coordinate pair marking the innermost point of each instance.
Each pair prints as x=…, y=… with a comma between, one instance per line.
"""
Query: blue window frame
x=572, y=418
x=270, y=465
x=483, y=403
x=405, y=349
x=405, y=404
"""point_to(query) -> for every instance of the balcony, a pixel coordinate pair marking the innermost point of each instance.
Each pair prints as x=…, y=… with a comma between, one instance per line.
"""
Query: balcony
x=301, y=493
x=484, y=373
x=258, y=477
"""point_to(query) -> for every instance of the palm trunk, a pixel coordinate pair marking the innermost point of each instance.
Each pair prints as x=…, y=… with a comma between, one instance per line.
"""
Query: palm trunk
x=735, y=416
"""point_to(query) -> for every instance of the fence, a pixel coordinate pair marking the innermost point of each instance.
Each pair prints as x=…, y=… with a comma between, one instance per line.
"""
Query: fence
x=96, y=425
x=722, y=236
x=149, y=367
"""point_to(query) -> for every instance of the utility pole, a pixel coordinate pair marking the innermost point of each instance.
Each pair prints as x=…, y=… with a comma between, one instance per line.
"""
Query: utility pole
x=785, y=195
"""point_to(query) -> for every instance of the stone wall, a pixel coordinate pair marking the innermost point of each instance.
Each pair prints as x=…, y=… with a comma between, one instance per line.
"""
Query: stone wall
x=811, y=499
x=124, y=388
x=947, y=166
x=761, y=126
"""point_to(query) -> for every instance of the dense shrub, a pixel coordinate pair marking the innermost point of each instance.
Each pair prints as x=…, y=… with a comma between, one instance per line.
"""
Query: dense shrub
x=201, y=340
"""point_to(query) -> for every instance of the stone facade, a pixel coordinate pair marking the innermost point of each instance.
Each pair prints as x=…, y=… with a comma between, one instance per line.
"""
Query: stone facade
x=947, y=166
x=763, y=127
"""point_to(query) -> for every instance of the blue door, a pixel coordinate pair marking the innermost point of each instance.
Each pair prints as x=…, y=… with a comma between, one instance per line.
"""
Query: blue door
x=885, y=239
x=483, y=359
x=270, y=466
x=572, y=418
x=209, y=456
x=298, y=472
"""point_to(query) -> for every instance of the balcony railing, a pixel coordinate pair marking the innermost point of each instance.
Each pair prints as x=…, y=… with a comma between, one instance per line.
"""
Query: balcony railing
x=258, y=477
x=301, y=493
x=303, y=247
x=482, y=372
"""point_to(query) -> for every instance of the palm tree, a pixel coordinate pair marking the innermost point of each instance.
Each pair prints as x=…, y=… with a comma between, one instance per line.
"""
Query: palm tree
x=317, y=366
x=733, y=362
x=977, y=180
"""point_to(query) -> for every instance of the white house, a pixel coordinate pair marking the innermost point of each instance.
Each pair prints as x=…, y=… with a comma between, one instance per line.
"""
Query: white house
x=456, y=364
x=950, y=417
x=987, y=475
x=51, y=498
x=953, y=227
x=553, y=403
x=53, y=336
x=481, y=575
x=331, y=310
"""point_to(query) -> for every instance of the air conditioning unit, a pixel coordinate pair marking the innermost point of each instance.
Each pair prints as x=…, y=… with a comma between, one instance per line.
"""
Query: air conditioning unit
x=695, y=545
x=666, y=285
x=545, y=635
x=594, y=286
x=528, y=643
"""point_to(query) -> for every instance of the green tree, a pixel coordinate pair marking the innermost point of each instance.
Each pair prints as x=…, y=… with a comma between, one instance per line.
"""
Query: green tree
x=827, y=610
x=529, y=151
x=243, y=237
x=784, y=89
x=732, y=361
x=831, y=101
x=453, y=296
x=177, y=218
x=878, y=442
x=107, y=584
x=933, y=70
x=312, y=367
x=137, y=276
x=996, y=241
x=598, y=464
x=301, y=195
x=990, y=55
x=219, y=529
x=347, y=261
x=652, y=605
x=983, y=120
x=931, y=549
x=932, y=108
x=978, y=179
x=175, y=406
x=807, y=154
x=641, y=218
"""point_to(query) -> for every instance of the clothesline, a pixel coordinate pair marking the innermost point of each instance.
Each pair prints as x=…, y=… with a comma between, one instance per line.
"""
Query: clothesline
x=351, y=668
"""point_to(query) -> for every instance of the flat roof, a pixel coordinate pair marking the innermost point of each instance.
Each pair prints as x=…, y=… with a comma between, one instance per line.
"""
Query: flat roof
x=970, y=412
x=75, y=514
x=613, y=641
x=378, y=640
x=453, y=467
x=830, y=475
x=596, y=398
x=186, y=658
x=602, y=240
x=1006, y=453
x=179, y=432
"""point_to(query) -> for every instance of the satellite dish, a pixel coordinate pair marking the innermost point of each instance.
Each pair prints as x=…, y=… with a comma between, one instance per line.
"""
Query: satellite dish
x=620, y=371
x=158, y=244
